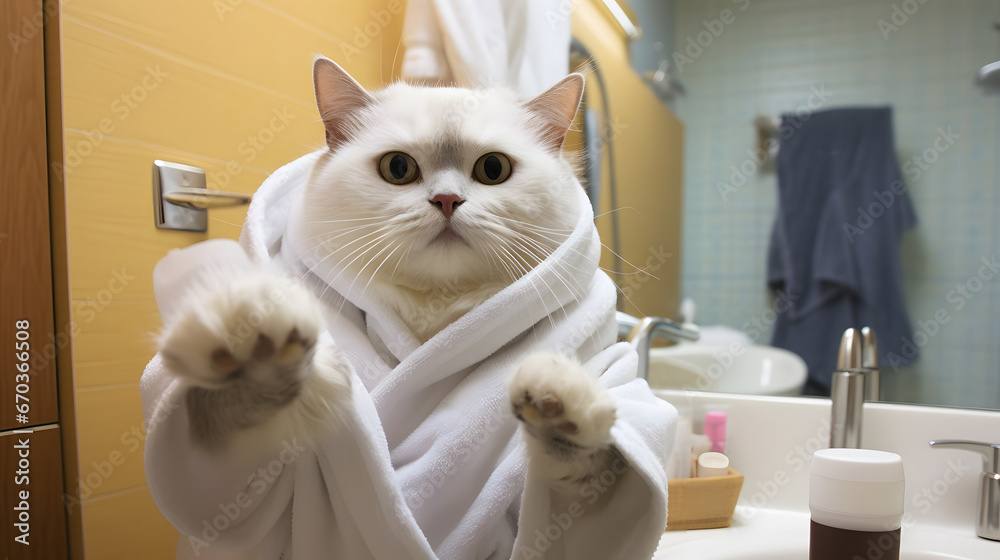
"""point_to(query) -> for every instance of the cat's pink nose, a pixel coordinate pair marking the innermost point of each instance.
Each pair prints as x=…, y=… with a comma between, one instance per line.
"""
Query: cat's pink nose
x=447, y=202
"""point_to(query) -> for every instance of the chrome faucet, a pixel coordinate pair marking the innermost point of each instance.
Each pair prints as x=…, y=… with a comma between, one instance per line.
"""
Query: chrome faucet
x=640, y=332
x=988, y=524
x=855, y=381
x=848, y=393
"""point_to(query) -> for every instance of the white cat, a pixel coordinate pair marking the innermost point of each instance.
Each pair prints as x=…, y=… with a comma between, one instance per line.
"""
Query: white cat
x=432, y=225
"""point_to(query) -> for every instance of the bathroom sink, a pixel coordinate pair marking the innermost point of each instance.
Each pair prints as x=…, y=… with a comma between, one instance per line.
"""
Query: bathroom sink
x=771, y=440
x=735, y=368
x=783, y=535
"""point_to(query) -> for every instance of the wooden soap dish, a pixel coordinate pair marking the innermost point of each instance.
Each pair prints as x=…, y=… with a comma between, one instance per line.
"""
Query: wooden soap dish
x=702, y=503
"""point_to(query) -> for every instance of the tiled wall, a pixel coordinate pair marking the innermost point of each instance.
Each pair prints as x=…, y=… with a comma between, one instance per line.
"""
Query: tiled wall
x=775, y=56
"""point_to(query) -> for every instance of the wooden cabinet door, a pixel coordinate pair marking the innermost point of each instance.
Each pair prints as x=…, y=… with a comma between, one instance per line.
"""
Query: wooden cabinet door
x=26, y=323
x=31, y=488
x=32, y=516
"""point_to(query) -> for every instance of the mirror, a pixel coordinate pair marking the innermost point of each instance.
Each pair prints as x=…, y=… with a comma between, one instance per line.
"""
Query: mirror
x=743, y=65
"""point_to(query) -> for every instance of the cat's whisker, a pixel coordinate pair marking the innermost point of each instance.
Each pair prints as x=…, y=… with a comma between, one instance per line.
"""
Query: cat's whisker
x=379, y=267
x=502, y=267
x=610, y=272
x=539, y=252
x=361, y=270
x=554, y=241
x=400, y=260
x=615, y=282
x=526, y=267
x=369, y=219
x=363, y=249
x=528, y=225
x=541, y=234
x=531, y=282
x=340, y=232
x=557, y=275
x=575, y=278
x=640, y=270
x=392, y=69
x=240, y=226
x=334, y=252
x=345, y=247
x=542, y=248
x=602, y=214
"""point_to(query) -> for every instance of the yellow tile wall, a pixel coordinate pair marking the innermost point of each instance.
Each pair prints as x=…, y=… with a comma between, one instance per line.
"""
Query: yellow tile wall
x=649, y=153
x=191, y=82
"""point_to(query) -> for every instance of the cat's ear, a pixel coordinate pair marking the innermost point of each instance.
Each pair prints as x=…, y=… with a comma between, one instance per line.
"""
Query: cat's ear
x=557, y=107
x=338, y=96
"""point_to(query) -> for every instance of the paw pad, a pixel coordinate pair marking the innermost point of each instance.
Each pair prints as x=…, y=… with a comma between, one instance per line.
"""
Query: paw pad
x=530, y=409
x=294, y=349
x=224, y=362
x=264, y=348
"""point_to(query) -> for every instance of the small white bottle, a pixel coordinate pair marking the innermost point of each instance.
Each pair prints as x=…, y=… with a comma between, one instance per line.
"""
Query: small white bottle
x=856, y=501
x=679, y=464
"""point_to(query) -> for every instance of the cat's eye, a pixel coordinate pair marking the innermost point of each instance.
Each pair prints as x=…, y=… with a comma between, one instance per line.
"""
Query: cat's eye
x=492, y=169
x=398, y=168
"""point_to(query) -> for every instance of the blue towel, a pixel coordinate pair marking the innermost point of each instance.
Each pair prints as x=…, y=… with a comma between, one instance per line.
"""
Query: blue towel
x=843, y=208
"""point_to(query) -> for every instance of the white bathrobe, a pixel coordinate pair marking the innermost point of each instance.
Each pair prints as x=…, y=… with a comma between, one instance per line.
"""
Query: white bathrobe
x=431, y=464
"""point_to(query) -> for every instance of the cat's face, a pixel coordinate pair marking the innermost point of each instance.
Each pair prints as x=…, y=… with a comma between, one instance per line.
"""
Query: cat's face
x=429, y=186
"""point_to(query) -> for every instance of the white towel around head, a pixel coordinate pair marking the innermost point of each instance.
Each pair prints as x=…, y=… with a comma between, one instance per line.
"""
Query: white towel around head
x=431, y=465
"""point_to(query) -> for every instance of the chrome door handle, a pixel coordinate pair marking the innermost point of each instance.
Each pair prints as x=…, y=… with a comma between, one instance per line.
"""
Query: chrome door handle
x=204, y=199
x=181, y=198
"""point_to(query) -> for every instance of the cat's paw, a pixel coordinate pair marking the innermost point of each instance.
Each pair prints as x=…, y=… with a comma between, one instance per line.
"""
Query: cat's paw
x=560, y=405
x=259, y=330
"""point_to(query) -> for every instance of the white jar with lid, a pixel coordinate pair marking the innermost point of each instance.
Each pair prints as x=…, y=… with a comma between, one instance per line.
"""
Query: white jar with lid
x=856, y=501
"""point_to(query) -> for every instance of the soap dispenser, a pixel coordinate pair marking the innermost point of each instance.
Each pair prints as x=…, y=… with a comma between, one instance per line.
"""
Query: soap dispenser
x=988, y=522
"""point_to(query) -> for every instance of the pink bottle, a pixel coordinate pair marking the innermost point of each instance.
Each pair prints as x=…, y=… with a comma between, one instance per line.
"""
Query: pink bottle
x=715, y=429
